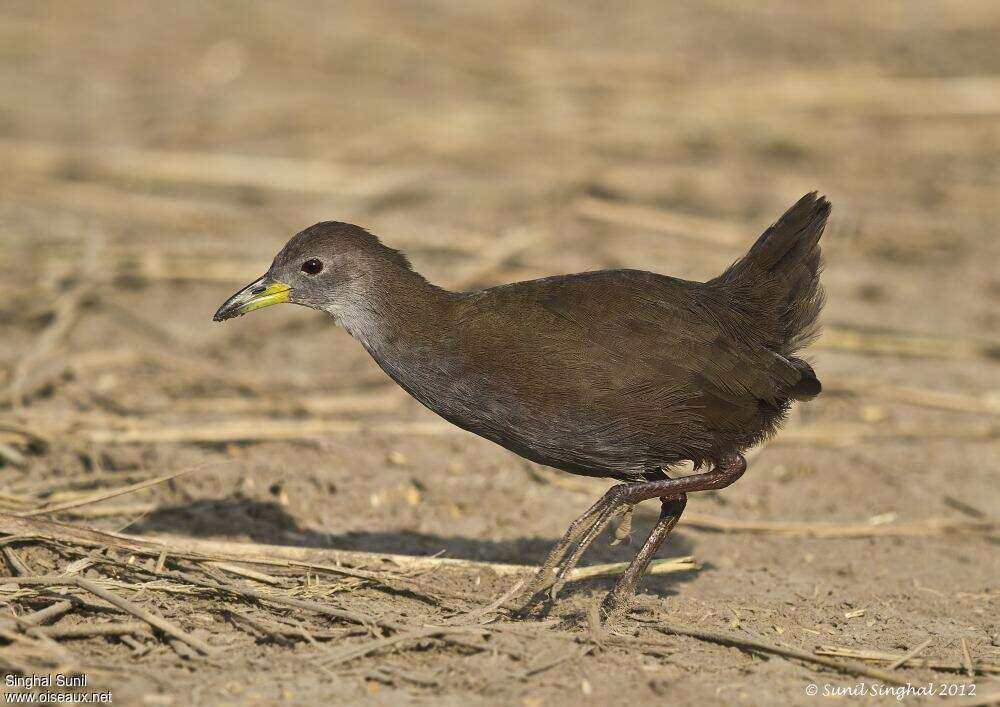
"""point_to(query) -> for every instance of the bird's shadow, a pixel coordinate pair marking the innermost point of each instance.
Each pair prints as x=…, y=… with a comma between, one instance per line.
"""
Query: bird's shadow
x=268, y=522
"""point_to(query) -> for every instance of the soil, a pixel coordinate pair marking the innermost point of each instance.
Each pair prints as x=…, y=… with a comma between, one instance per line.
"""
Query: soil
x=155, y=158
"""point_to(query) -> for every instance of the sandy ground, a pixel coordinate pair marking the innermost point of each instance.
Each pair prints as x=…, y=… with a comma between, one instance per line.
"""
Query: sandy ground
x=155, y=159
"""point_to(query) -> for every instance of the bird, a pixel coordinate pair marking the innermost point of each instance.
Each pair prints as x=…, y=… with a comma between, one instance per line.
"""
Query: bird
x=620, y=374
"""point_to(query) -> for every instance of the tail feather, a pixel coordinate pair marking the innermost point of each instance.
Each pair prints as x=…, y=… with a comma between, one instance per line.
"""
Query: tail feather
x=808, y=386
x=776, y=284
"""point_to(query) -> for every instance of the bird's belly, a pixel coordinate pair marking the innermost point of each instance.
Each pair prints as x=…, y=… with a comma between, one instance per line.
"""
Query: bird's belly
x=566, y=437
x=562, y=431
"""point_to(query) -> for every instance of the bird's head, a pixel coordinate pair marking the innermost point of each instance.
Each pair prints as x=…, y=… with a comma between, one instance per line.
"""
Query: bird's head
x=331, y=266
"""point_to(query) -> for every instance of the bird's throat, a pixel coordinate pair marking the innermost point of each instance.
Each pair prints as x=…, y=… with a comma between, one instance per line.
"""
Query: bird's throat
x=398, y=313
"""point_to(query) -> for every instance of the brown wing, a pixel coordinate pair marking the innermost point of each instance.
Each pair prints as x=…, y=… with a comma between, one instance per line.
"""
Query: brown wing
x=629, y=360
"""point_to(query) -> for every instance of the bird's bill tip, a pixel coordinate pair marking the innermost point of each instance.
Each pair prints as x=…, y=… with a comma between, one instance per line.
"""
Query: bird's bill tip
x=258, y=294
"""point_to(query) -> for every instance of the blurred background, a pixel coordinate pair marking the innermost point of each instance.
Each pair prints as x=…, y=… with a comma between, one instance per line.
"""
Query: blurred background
x=154, y=157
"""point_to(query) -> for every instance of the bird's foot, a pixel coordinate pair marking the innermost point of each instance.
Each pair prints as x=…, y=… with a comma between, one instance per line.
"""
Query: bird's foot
x=620, y=499
x=567, y=552
x=616, y=604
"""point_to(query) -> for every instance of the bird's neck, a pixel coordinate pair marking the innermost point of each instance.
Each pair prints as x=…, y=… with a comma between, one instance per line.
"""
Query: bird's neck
x=400, y=311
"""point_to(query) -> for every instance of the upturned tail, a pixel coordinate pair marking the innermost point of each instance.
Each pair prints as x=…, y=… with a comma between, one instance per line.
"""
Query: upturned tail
x=775, y=287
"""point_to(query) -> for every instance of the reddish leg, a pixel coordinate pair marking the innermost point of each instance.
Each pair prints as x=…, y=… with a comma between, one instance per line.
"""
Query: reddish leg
x=585, y=529
x=620, y=597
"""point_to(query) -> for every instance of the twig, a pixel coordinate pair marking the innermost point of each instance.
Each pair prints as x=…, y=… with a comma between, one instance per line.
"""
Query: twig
x=274, y=632
x=115, y=511
x=551, y=663
x=259, y=596
x=908, y=656
x=161, y=561
x=200, y=550
x=50, y=612
x=104, y=495
x=347, y=654
x=389, y=675
x=117, y=628
x=12, y=456
x=963, y=507
x=732, y=639
x=23, y=432
x=477, y=614
x=245, y=572
x=138, y=649
x=147, y=616
x=121, y=603
x=76, y=483
x=16, y=563
x=212, y=550
x=883, y=657
x=342, y=614
x=14, y=500
x=181, y=649
x=267, y=554
x=266, y=626
x=970, y=668
x=664, y=566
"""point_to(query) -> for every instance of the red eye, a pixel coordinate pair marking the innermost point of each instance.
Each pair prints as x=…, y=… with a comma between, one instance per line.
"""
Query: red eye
x=312, y=267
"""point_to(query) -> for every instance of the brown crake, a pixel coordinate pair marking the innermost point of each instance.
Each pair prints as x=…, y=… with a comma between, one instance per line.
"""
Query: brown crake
x=611, y=373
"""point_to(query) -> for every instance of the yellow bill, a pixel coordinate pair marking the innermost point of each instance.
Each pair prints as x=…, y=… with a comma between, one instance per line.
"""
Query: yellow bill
x=257, y=295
